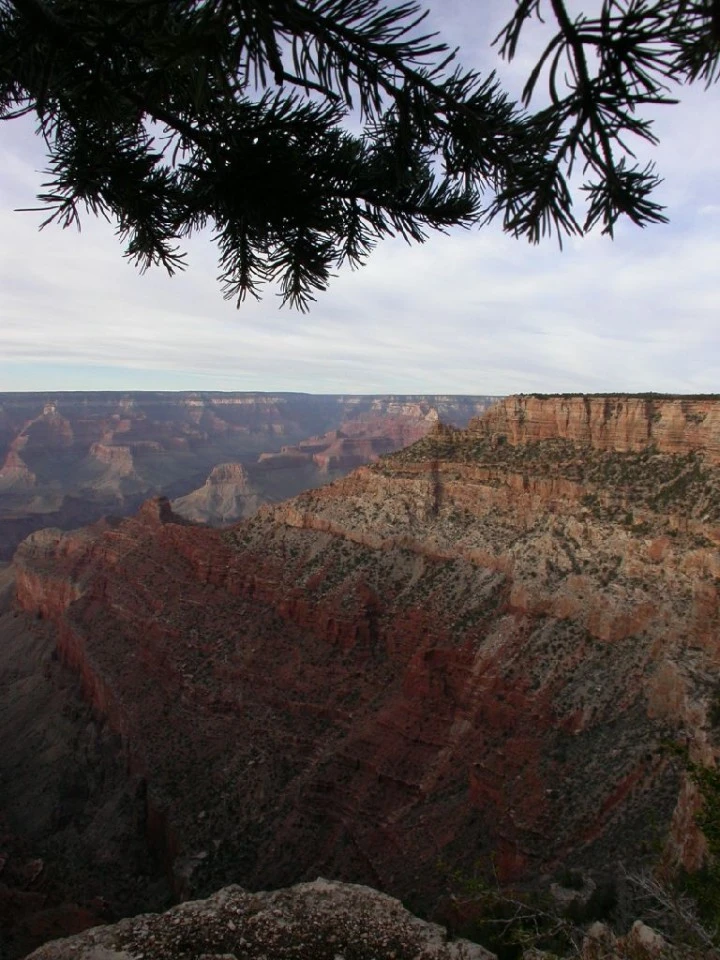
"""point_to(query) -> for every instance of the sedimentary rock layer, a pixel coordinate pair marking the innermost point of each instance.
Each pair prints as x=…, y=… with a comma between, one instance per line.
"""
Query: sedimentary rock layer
x=228, y=494
x=675, y=425
x=71, y=458
x=472, y=652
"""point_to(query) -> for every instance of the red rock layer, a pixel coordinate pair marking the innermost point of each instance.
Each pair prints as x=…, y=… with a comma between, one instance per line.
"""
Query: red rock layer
x=469, y=652
x=118, y=449
x=672, y=425
x=359, y=441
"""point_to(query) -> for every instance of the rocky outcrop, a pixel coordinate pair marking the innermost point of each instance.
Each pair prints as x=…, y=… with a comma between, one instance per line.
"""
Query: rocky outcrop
x=118, y=458
x=640, y=943
x=227, y=495
x=15, y=473
x=317, y=921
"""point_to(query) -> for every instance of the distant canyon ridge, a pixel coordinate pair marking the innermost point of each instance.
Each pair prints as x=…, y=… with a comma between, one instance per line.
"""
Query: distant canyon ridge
x=67, y=459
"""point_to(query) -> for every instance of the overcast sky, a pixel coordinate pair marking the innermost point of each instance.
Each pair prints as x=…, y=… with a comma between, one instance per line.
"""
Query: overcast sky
x=472, y=312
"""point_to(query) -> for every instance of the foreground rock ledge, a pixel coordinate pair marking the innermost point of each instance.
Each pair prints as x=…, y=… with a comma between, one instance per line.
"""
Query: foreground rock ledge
x=310, y=921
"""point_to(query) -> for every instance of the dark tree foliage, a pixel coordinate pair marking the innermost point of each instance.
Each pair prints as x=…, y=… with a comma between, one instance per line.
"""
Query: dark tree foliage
x=303, y=131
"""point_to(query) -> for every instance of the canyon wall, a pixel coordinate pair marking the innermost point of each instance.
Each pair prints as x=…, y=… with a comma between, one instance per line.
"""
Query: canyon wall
x=473, y=652
x=233, y=491
x=621, y=423
x=72, y=847
x=71, y=458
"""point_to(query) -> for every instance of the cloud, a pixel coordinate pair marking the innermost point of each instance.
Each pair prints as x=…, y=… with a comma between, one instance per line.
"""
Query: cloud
x=472, y=312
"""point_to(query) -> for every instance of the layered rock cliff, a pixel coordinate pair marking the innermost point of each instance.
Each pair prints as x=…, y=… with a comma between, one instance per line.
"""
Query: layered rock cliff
x=234, y=491
x=674, y=425
x=367, y=436
x=72, y=458
x=474, y=651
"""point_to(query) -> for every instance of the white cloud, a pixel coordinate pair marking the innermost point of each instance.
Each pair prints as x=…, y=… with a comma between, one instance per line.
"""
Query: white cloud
x=469, y=312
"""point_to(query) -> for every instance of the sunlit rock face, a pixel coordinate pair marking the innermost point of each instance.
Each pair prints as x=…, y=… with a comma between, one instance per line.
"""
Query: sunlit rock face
x=228, y=494
x=472, y=651
x=674, y=425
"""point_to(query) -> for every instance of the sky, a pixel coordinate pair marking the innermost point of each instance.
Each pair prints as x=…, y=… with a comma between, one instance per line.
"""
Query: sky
x=471, y=312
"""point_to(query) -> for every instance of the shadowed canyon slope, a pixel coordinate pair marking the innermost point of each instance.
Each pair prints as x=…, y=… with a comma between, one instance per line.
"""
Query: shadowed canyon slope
x=67, y=459
x=72, y=846
x=476, y=648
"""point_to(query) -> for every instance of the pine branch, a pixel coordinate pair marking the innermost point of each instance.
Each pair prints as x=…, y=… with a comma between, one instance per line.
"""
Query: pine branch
x=252, y=97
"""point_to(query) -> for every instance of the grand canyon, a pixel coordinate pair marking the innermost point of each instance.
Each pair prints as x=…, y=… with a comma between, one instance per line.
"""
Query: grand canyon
x=488, y=651
x=70, y=458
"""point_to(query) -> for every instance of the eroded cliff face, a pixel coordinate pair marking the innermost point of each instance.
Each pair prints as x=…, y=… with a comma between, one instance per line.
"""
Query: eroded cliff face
x=675, y=425
x=233, y=491
x=382, y=429
x=472, y=651
x=69, y=459
x=227, y=495
x=72, y=849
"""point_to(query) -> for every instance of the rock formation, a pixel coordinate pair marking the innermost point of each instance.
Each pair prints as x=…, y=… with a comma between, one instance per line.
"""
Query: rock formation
x=48, y=431
x=113, y=471
x=15, y=473
x=674, y=425
x=72, y=458
x=363, y=439
x=310, y=921
x=234, y=491
x=227, y=495
x=72, y=849
x=474, y=652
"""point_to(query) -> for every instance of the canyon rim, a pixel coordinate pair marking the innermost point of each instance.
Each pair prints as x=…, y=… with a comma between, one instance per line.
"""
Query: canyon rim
x=474, y=651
